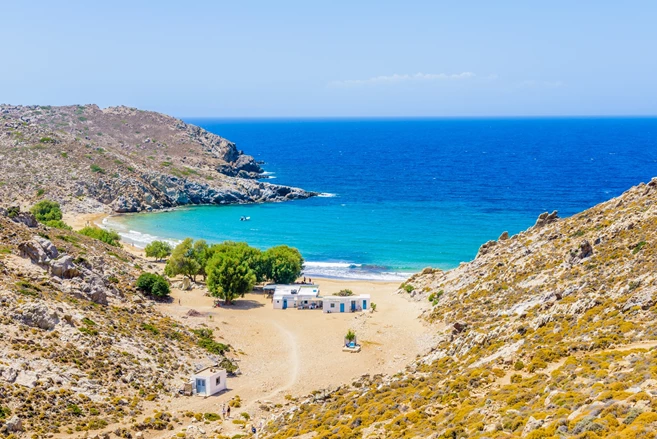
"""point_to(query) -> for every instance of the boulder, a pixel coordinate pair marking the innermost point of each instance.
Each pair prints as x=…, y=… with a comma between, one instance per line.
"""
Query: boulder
x=185, y=284
x=531, y=425
x=37, y=315
x=64, y=268
x=27, y=378
x=585, y=249
x=14, y=425
x=47, y=246
x=546, y=218
x=25, y=218
x=8, y=374
x=33, y=250
x=459, y=327
x=504, y=236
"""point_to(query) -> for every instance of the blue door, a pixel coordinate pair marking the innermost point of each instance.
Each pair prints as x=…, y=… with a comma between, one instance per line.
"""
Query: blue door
x=353, y=305
x=284, y=303
x=342, y=307
x=364, y=304
x=200, y=386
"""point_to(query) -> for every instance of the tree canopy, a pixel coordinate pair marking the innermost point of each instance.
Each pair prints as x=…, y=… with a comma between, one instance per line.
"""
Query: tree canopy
x=229, y=276
x=183, y=261
x=282, y=264
x=158, y=250
x=232, y=268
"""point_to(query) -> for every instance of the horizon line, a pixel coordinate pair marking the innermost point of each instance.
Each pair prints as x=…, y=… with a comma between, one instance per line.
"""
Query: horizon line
x=546, y=116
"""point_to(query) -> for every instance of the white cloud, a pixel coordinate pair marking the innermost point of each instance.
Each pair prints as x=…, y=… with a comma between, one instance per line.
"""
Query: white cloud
x=532, y=83
x=397, y=78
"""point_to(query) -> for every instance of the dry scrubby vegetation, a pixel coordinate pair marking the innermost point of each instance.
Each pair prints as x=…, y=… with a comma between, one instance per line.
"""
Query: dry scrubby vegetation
x=540, y=338
x=84, y=350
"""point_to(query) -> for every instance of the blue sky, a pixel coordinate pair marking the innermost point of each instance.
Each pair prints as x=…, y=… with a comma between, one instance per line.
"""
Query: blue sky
x=338, y=58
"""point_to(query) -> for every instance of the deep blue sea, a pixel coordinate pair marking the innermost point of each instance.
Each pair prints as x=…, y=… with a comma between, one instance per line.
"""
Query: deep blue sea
x=401, y=195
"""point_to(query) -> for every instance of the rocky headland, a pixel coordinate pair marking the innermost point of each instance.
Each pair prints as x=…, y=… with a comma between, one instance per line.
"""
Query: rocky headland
x=122, y=159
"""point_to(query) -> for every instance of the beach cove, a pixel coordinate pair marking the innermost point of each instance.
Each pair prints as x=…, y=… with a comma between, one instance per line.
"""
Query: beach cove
x=399, y=195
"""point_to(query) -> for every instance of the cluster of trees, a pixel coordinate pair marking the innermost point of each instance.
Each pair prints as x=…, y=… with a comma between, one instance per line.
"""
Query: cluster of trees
x=50, y=214
x=232, y=268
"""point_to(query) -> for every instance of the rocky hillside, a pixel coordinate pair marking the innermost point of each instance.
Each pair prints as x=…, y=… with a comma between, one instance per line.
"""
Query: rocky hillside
x=546, y=334
x=122, y=160
x=80, y=349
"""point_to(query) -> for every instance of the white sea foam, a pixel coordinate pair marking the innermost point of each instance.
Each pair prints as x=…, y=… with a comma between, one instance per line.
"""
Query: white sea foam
x=327, y=195
x=345, y=270
x=138, y=239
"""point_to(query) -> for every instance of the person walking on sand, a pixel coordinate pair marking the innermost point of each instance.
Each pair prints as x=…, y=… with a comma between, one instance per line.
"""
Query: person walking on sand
x=228, y=411
x=223, y=411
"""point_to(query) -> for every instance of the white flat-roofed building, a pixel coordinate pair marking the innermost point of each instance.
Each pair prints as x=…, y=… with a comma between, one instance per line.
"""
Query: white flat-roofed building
x=301, y=296
x=341, y=304
x=208, y=381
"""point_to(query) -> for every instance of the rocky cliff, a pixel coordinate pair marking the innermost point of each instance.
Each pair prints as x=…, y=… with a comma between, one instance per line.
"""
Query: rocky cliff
x=550, y=333
x=122, y=160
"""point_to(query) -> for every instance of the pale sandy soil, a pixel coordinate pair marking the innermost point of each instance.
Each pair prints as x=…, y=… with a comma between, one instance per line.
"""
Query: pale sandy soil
x=293, y=352
x=79, y=221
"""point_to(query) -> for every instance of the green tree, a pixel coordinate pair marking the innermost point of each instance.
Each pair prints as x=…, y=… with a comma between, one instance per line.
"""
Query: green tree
x=183, y=261
x=229, y=276
x=202, y=254
x=158, y=250
x=242, y=251
x=282, y=264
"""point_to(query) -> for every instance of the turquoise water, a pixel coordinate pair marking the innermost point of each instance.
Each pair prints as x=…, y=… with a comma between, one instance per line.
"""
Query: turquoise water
x=401, y=195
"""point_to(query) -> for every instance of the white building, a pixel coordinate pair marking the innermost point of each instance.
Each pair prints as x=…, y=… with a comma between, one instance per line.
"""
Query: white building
x=208, y=381
x=346, y=303
x=299, y=296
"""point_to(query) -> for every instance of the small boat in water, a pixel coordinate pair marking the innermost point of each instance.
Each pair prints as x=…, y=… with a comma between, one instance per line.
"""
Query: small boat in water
x=245, y=218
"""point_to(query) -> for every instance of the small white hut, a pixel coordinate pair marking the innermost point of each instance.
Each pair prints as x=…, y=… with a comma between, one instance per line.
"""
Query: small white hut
x=208, y=381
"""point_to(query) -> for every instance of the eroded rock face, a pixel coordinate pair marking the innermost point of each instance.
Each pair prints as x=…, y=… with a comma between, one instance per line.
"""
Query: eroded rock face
x=33, y=250
x=64, y=268
x=37, y=315
x=546, y=218
x=485, y=248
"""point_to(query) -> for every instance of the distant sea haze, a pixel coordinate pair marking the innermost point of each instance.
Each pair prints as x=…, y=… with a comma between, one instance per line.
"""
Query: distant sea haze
x=401, y=195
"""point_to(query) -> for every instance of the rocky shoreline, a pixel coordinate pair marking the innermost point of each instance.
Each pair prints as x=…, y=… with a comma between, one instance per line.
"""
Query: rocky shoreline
x=122, y=160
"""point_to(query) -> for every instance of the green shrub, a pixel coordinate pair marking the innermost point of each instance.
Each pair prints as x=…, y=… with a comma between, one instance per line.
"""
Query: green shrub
x=58, y=224
x=153, y=285
x=107, y=236
x=344, y=293
x=96, y=168
x=4, y=412
x=46, y=210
